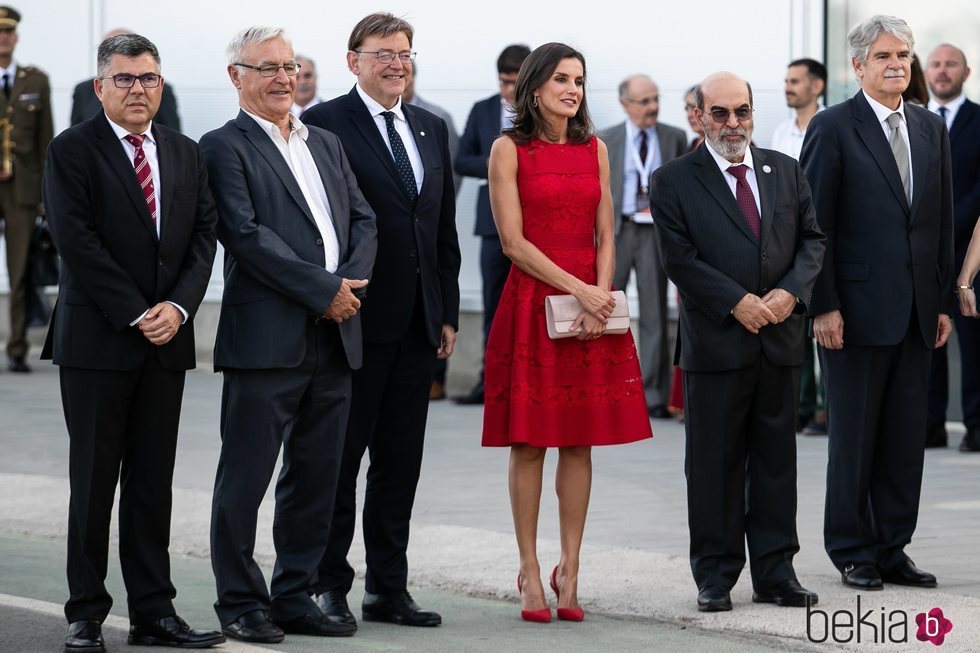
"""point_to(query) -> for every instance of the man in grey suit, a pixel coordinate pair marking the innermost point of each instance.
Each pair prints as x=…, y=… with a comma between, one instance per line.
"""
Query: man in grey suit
x=637, y=147
x=739, y=237
x=300, y=241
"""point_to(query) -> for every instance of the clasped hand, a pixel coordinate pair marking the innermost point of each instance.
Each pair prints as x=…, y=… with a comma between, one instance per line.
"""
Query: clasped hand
x=345, y=305
x=160, y=323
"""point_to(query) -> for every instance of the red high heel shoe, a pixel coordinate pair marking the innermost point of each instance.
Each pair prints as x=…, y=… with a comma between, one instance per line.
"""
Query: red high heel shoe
x=565, y=614
x=541, y=616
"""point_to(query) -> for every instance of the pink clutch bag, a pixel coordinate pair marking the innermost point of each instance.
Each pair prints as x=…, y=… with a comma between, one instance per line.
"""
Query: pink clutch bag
x=561, y=310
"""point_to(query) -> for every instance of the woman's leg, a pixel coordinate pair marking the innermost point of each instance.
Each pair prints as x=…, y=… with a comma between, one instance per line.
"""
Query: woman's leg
x=526, y=463
x=573, y=483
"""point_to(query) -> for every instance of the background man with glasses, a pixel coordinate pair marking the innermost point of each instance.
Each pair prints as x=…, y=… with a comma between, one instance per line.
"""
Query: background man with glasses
x=637, y=147
x=299, y=241
x=739, y=237
x=25, y=105
x=487, y=118
x=131, y=213
x=306, y=81
x=400, y=156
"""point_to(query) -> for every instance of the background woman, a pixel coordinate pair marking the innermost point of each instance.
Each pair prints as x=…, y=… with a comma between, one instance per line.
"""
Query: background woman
x=549, y=189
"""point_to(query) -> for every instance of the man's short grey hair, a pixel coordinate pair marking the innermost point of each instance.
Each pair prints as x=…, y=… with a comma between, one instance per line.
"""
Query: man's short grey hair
x=860, y=38
x=128, y=45
x=253, y=36
x=624, y=86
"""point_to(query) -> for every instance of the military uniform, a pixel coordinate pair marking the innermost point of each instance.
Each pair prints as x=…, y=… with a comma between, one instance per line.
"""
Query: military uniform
x=29, y=111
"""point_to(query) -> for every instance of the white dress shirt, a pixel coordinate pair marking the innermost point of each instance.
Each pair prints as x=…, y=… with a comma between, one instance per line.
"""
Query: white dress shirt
x=401, y=126
x=882, y=112
x=297, y=110
x=630, y=171
x=724, y=164
x=788, y=137
x=298, y=158
x=952, y=107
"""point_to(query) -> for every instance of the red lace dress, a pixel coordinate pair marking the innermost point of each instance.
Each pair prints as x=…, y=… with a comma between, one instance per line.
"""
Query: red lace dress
x=553, y=393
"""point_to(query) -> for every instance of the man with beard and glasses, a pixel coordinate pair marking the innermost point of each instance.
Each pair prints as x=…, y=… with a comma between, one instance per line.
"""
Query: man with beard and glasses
x=805, y=83
x=946, y=70
x=739, y=237
x=637, y=147
x=880, y=172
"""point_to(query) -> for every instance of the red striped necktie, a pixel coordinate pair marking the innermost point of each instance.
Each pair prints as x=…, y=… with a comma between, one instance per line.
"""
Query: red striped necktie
x=143, y=175
x=745, y=199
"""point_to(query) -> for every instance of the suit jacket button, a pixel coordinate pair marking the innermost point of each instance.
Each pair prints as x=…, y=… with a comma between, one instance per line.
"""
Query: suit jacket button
x=319, y=241
x=412, y=253
x=161, y=262
x=765, y=256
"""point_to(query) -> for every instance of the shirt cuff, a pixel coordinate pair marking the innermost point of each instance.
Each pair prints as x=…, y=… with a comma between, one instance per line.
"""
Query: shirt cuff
x=181, y=309
x=137, y=320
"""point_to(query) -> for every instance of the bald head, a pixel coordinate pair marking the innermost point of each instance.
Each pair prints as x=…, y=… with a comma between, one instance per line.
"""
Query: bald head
x=119, y=31
x=721, y=99
x=945, y=72
x=640, y=98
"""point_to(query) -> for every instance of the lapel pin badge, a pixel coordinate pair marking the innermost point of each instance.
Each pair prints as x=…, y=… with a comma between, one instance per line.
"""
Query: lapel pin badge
x=766, y=169
x=421, y=133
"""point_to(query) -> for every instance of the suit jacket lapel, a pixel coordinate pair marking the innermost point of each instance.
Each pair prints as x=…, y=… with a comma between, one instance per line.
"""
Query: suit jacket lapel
x=869, y=130
x=968, y=111
x=168, y=171
x=767, y=192
x=114, y=153
x=364, y=123
x=715, y=183
x=319, y=152
x=919, y=147
x=424, y=142
x=263, y=143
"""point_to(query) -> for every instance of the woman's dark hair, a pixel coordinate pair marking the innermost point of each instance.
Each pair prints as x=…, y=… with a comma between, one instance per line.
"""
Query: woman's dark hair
x=536, y=70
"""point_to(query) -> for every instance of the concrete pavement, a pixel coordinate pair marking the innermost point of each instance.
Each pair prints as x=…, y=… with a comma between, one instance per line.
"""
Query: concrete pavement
x=635, y=581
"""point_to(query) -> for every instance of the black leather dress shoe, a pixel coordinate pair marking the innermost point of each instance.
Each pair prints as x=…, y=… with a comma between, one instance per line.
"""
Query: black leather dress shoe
x=317, y=624
x=397, y=608
x=908, y=574
x=333, y=605
x=172, y=631
x=971, y=441
x=862, y=576
x=84, y=637
x=18, y=365
x=788, y=593
x=659, y=412
x=936, y=436
x=474, y=398
x=714, y=598
x=254, y=626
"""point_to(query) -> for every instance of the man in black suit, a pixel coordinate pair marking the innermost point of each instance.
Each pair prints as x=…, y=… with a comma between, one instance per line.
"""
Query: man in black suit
x=487, y=118
x=400, y=156
x=945, y=72
x=85, y=104
x=880, y=173
x=299, y=243
x=130, y=211
x=739, y=238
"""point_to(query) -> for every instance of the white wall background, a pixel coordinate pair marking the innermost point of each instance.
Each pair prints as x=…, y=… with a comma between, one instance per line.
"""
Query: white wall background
x=676, y=43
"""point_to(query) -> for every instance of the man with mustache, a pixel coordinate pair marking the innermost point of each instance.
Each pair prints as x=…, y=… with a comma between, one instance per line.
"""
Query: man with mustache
x=946, y=70
x=739, y=237
x=805, y=82
x=637, y=147
x=882, y=187
x=306, y=80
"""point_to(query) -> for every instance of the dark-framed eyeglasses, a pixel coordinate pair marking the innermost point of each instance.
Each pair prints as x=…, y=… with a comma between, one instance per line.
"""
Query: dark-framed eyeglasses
x=125, y=80
x=271, y=70
x=387, y=56
x=720, y=116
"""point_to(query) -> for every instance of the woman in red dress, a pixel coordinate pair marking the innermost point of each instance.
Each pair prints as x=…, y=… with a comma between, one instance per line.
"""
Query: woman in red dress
x=549, y=189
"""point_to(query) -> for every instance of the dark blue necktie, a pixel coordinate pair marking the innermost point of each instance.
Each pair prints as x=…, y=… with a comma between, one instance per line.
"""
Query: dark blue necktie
x=942, y=112
x=402, y=164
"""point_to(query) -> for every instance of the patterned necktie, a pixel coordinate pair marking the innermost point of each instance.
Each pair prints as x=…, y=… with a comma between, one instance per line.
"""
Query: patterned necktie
x=402, y=164
x=643, y=159
x=143, y=175
x=901, y=153
x=745, y=199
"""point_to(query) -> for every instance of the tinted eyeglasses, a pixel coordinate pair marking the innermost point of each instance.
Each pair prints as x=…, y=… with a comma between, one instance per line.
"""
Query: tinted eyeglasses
x=720, y=116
